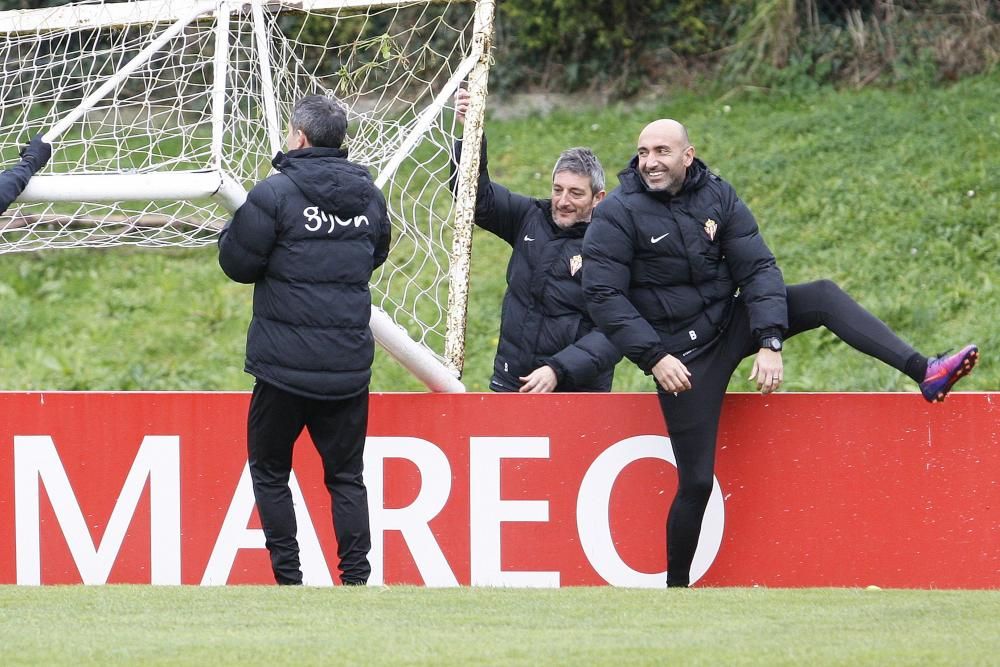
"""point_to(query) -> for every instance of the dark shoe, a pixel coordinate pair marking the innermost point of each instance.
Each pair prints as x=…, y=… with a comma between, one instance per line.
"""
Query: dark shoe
x=353, y=582
x=944, y=371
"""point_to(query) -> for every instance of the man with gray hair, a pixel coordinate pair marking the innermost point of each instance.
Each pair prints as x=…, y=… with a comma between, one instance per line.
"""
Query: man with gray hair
x=308, y=239
x=547, y=340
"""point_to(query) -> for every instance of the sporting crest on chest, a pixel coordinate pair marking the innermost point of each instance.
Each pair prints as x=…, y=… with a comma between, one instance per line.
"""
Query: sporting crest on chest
x=575, y=264
x=711, y=226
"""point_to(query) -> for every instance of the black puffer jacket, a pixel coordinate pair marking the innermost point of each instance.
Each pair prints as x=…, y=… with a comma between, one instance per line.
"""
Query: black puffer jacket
x=309, y=238
x=662, y=272
x=544, y=319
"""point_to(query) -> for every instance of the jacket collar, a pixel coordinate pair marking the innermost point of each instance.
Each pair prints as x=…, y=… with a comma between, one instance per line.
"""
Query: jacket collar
x=311, y=152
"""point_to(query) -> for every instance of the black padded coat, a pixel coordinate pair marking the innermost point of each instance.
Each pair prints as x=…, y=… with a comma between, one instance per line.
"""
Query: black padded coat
x=663, y=271
x=308, y=238
x=544, y=320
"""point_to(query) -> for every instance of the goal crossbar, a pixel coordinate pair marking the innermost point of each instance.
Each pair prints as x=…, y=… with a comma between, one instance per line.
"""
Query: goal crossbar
x=76, y=17
x=120, y=187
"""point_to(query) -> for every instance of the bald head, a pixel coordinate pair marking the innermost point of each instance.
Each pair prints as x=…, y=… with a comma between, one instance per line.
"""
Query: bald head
x=666, y=129
x=665, y=153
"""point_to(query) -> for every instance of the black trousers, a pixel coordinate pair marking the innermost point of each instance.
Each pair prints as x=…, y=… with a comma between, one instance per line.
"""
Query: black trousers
x=692, y=416
x=338, y=429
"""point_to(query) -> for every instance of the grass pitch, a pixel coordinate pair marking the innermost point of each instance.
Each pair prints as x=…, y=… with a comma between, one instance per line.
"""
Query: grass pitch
x=251, y=625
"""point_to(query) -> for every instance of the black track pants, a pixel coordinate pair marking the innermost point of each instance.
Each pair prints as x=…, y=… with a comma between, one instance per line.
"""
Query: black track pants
x=338, y=429
x=692, y=416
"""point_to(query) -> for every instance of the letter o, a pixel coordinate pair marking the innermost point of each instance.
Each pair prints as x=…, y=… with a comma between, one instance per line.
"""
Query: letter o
x=594, y=525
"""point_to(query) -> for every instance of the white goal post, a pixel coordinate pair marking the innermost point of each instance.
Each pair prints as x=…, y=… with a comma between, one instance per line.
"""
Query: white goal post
x=163, y=113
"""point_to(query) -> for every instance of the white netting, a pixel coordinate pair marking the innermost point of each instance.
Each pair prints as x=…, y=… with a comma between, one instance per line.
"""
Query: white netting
x=393, y=66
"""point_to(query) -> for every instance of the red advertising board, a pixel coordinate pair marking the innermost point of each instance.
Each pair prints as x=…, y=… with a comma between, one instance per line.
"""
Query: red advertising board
x=508, y=490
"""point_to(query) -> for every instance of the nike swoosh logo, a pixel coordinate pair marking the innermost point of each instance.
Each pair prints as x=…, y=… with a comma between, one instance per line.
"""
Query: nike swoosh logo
x=657, y=239
x=528, y=238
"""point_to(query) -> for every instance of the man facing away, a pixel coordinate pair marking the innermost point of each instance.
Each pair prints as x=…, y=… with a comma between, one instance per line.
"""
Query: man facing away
x=680, y=279
x=308, y=238
x=547, y=340
x=34, y=156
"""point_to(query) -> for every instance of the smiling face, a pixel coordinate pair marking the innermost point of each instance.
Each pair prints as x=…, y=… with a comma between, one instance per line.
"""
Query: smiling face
x=573, y=200
x=664, y=155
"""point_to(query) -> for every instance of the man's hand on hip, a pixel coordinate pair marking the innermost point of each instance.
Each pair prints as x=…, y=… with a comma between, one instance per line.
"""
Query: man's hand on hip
x=672, y=374
x=542, y=380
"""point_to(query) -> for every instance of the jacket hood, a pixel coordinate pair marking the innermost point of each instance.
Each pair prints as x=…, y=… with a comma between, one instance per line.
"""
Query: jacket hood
x=632, y=180
x=326, y=178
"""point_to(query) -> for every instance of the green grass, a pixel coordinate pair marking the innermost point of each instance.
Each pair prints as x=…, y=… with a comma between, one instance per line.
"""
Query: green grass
x=868, y=188
x=407, y=625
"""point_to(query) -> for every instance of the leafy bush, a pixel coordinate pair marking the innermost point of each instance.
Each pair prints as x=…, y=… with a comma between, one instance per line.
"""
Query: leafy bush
x=624, y=45
x=619, y=47
x=859, y=43
x=570, y=45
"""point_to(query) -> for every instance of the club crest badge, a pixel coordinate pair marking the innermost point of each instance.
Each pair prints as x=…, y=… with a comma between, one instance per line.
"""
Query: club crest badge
x=710, y=228
x=575, y=264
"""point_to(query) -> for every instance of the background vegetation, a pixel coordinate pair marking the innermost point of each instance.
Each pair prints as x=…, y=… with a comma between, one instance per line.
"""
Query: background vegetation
x=862, y=133
x=891, y=193
x=621, y=47
x=625, y=46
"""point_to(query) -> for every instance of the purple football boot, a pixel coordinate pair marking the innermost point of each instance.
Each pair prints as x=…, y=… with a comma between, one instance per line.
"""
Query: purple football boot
x=944, y=371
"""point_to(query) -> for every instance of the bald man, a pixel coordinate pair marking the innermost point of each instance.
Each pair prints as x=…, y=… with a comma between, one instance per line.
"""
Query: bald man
x=680, y=279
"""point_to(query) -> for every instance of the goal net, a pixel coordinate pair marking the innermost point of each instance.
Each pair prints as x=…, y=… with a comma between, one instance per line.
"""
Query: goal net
x=164, y=113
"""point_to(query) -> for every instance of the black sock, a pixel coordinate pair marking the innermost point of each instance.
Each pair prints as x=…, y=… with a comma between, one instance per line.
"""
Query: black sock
x=916, y=367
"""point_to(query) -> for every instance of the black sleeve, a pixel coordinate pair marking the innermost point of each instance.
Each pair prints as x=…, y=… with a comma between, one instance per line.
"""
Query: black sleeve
x=498, y=210
x=34, y=156
x=755, y=270
x=246, y=241
x=607, y=257
x=585, y=359
x=12, y=183
x=385, y=236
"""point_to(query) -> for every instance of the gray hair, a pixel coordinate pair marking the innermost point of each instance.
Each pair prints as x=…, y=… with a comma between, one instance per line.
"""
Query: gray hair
x=582, y=162
x=322, y=119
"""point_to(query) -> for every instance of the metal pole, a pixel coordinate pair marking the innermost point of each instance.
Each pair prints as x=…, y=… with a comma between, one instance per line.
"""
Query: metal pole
x=266, y=82
x=219, y=82
x=465, y=195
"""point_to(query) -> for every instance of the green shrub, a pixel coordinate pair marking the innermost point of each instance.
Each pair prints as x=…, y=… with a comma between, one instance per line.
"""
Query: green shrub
x=625, y=45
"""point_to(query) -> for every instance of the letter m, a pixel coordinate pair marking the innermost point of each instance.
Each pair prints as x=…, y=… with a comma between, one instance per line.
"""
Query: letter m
x=36, y=464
